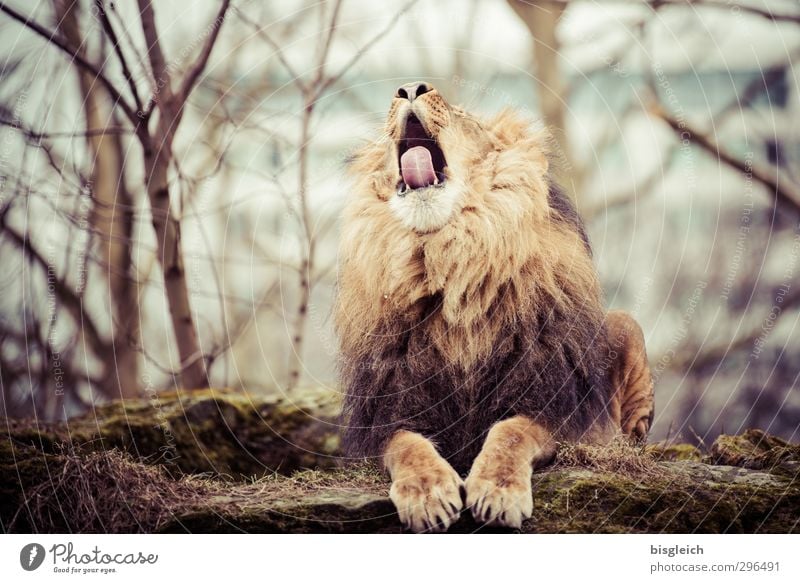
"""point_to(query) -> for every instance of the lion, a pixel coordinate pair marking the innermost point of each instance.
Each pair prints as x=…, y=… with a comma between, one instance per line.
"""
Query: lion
x=473, y=336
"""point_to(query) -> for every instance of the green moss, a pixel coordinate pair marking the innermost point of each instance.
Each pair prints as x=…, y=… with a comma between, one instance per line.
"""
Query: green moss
x=673, y=452
x=756, y=450
x=684, y=499
x=203, y=431
x=746, y=483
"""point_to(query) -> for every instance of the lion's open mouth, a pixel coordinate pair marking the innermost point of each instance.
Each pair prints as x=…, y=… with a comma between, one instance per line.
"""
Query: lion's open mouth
x=422, y=162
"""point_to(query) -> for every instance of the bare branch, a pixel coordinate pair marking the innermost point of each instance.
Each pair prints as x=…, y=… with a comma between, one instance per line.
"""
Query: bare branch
x=192, y=74
x=61, y=43
x=158, y=65
x=326, y=47
x=112, y=36
x=541, y=18
x=36, y=136
x=726, y=4
x=780, y=187
x=71, y=301
x=715, y=354
x=296, y=79
x=323, y=86
x=633, y=194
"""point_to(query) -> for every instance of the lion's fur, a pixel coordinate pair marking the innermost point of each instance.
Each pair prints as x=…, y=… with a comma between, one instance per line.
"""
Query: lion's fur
x=497, y=313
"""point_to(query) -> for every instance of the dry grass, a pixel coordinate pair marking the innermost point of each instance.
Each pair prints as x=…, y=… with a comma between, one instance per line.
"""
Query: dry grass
x=619, y=457
x=110, y=492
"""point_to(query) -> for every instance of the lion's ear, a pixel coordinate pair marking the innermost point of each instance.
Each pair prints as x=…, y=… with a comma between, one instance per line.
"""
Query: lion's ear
x=519, y=137
x=509, y=127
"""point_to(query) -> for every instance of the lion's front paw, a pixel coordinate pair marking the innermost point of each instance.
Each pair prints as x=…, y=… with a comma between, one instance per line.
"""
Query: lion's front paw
x=500, y=502
x=428, y=501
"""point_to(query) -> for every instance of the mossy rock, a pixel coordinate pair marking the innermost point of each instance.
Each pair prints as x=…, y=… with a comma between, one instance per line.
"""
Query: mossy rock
x=87, y=490
x=683, y=497
x=218, y=461
x=756, y=450
x=674, y=452
x=221, y=432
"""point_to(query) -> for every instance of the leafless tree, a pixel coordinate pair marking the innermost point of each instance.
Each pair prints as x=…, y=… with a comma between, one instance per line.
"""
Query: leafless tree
x=150, y=110
x=311, y=87
x=700, y=356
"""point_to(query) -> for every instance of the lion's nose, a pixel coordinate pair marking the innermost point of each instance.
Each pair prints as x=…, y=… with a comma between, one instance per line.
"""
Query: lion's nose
x=411, y=91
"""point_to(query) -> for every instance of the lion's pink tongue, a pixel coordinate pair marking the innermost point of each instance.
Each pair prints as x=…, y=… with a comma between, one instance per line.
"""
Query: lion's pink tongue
x=417, y=167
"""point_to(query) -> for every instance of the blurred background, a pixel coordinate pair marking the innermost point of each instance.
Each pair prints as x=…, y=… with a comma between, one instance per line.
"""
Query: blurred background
x=171, y=176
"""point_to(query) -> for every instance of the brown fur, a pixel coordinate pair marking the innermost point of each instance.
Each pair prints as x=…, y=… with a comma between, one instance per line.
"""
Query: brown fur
x=489, y=325
x=425, y=489
x=504, y=240
x=632, y=402
x=499, y=483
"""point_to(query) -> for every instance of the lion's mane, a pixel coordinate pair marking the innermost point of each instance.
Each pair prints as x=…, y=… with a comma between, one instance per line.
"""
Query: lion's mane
x=498, y=313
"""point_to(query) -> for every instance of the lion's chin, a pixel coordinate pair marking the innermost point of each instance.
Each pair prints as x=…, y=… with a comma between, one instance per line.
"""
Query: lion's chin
x=425, y=210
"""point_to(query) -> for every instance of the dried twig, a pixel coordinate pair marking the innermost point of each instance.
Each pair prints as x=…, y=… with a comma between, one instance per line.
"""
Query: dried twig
x=56, y=40
x=779, y=187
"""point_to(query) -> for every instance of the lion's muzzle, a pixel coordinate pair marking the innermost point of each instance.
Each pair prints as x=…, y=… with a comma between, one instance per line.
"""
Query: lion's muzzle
x=416, y=117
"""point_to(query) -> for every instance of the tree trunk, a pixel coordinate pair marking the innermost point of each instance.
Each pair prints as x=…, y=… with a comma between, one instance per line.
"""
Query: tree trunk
x=157, y=156
x=168, y=234
x=111, y=219
x=127, y=331
x=541, y=17
x=307, y=246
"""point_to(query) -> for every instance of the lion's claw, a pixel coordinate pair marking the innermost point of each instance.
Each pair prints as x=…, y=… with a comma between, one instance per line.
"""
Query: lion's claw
x=429, y=503
x=507, y=504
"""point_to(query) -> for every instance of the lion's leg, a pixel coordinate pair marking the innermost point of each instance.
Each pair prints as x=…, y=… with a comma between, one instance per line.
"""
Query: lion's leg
x=632, y=401
x=425, y=489
x=499, y=483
